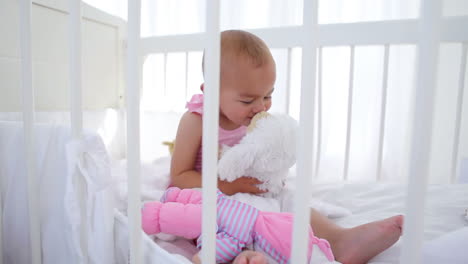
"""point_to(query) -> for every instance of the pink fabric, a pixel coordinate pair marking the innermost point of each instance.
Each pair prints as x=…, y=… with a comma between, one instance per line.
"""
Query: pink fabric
x=185, y=196
x=276, y=229
x=172, y=218
x=225, y=137
x=239, y=225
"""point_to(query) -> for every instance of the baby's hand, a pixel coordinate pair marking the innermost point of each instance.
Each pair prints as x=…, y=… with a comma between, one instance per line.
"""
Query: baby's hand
x=241, y=185
x=250, y=257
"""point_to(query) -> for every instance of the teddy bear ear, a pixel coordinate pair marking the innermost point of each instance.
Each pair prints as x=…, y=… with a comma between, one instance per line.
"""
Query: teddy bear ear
x=278, y=135
x=234, y=162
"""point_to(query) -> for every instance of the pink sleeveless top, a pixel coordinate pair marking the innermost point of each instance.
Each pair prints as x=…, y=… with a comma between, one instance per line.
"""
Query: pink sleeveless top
x=225, y=137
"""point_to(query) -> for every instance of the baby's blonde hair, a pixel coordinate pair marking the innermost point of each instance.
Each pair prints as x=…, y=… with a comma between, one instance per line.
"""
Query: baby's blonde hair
x=239, y=43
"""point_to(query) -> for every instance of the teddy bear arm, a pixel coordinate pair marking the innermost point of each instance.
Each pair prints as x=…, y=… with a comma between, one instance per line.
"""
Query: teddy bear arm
x=185, y=196
x=172, y=218
x=235, y=162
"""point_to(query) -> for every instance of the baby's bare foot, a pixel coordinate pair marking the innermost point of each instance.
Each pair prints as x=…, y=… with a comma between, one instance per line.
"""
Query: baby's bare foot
x=361, y=243
x=250, y=257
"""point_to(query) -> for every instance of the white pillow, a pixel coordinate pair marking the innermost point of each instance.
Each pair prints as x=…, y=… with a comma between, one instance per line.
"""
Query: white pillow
x=449, y=248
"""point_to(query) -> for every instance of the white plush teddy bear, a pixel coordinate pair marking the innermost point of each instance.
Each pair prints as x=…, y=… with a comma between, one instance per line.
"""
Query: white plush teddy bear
x=266, y=152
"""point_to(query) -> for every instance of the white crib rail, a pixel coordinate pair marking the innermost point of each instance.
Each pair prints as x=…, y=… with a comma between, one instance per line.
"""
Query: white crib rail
x=305, y=134
x=349, y=113
x=210, y=131
x=383, y=112
x=319, y=112
x=76, y=111
x=28, y=121
x=461, y=88
x=133, y=130
x=428, y=47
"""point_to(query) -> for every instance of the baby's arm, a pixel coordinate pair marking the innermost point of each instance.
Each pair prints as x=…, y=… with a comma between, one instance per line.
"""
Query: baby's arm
x=228, y=248
x=188, y=141
x=183, y=173
x=240, y=185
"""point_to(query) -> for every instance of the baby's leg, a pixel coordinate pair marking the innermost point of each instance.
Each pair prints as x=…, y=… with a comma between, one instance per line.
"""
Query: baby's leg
x=196, y=258
x=361, y=243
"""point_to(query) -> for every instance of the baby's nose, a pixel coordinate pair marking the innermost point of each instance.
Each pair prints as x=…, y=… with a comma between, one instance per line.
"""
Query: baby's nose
x=259, y=107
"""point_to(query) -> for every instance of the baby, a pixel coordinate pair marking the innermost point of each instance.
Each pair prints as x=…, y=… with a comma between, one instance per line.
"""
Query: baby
x=247, y=78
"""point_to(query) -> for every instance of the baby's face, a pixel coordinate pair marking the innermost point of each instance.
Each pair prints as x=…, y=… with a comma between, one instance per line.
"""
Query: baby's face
x=245, y=91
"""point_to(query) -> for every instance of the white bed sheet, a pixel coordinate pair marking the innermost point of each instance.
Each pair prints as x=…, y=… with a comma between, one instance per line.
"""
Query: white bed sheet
x=445, y=204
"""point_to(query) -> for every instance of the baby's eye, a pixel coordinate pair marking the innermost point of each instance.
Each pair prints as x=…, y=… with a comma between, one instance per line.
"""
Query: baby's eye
x=246, y=102
x=267, y=97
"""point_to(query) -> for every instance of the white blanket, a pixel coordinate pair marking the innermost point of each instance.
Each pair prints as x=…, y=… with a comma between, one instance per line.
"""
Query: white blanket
x=155, y=179
x=347, y=204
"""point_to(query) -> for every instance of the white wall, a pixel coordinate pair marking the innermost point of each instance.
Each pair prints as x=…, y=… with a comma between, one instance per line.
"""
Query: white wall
x=102, y=57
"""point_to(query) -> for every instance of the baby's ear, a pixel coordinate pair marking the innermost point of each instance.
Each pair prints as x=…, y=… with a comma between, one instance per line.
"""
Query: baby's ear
x=234, y=162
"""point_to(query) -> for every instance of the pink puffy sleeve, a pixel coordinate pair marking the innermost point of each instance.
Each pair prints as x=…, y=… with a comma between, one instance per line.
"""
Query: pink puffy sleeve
x=172, y=218
x=195, y=105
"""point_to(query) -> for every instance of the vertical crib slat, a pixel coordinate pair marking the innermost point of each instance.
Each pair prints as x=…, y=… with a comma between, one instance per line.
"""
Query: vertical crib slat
x=74, y=26
x=319, y=113
x=306, y=132
x=210, y=130
x=461, y=88
x=421, y=137
x=288, y=80
x=28, y=122
x=165, y=73
x=75, y=67
x=350, y=113
x=133, y=130
x=1, y=226
x=383, y=112
x=186, y=75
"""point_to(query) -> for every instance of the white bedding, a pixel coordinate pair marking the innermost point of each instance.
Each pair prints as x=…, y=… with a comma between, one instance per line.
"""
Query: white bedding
x=445, y=204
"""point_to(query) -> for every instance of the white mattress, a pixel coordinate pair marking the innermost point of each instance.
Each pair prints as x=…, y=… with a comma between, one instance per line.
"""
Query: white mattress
x=445, y=205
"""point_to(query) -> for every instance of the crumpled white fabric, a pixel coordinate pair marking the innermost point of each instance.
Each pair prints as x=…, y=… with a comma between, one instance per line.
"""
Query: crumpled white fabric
x=89, y=163
x=59, y=212
x=153, y=182
x=151, y=252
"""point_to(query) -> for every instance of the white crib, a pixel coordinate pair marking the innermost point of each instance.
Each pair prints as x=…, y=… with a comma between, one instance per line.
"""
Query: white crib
x=129, y=244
